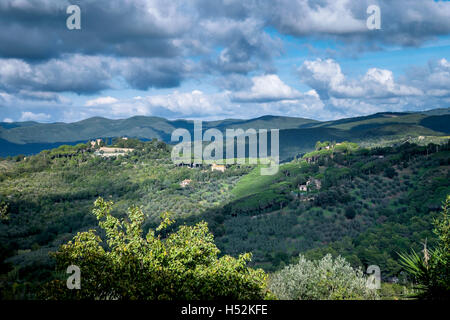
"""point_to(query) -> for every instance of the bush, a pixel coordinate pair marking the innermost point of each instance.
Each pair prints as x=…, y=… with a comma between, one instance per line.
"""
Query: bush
x=325, y=279
x=180, y=266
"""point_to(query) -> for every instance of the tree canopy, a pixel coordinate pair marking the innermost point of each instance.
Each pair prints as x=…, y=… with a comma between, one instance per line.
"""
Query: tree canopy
x=180, y=265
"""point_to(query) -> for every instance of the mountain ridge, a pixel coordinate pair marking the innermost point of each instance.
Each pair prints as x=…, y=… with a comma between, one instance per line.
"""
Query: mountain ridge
x=297, y=135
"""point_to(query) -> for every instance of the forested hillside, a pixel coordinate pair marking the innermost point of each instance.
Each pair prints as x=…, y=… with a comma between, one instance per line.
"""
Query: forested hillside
x=364, y=204
x=370, y=204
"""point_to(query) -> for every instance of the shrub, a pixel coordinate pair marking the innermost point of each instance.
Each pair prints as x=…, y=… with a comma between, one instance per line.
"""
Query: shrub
x=325, y=279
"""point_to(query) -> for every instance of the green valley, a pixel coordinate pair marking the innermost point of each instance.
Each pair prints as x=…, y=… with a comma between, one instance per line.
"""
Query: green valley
x=364, y=204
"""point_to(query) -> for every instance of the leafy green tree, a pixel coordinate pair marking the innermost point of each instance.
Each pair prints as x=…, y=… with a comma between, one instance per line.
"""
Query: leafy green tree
x=181, y=265
x=322, y=145
x=431, y=272
x=442, y=227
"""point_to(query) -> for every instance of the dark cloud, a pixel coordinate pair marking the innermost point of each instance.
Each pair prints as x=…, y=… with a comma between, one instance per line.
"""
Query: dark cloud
x=158, y=36
x=403, y=22
x=75, y=73
x=37, y=29
x=234, y=82
x=89, y=74
x=146, y=73
x=160, y=43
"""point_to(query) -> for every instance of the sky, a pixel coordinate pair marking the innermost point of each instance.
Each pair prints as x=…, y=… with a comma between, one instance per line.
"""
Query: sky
x=217, y=59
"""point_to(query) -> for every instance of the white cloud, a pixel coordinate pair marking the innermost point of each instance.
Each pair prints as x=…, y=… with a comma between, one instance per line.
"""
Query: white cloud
x=100, y=101
x=304, y=17
x=8, y=120
x=327, y=78
x=380, y=83
x=433, y=78
x=30, y=116
x=377, y=90
x=5, y=97
x=176, y=104
x=333, y=95
x=267, y=88
x=195, y=102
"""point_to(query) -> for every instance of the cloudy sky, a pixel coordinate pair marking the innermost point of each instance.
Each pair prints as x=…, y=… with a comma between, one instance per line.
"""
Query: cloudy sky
x=216, y=59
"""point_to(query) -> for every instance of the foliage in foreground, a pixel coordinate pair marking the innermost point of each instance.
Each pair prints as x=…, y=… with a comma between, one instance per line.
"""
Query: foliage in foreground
x=324, y=279
x=182, y=265
x=431, y=272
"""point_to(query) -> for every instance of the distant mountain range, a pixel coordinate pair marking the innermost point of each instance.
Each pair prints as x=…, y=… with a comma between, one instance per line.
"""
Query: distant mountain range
x=297, y=135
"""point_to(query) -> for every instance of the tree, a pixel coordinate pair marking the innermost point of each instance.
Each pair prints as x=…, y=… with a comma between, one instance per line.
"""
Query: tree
x=181, y=265
x=390, y=172
x=350, y=212
x=322, y=145
x=431, y=273
x=4, y=211
x=325, y=279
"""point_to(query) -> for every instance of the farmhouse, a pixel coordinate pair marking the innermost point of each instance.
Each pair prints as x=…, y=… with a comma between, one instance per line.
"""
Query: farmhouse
x=311, y=183
x=112, y=152
x=218, y=167
x=303, y=187
x=185, y=183
x=316, y=182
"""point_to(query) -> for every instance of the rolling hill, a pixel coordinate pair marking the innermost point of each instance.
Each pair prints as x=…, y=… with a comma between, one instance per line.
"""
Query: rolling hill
x=297, y=135
x=369, y=204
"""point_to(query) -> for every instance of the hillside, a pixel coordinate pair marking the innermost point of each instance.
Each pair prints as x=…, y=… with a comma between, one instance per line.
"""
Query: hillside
x=138, y=127
x=370, y=204
x=364, y=204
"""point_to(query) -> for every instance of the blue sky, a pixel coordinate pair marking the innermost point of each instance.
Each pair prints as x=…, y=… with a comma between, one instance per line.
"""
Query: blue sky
x=212, y=59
